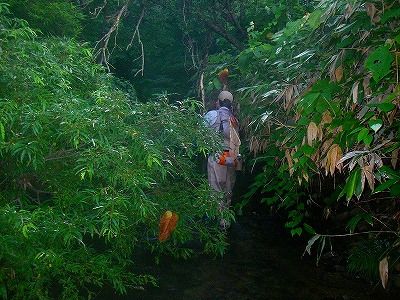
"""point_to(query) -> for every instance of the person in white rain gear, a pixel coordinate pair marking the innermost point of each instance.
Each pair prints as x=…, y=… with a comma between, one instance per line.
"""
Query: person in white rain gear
x=221, y=167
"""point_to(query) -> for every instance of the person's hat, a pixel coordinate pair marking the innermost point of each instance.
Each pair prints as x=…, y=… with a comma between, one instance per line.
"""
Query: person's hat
x=225, y=95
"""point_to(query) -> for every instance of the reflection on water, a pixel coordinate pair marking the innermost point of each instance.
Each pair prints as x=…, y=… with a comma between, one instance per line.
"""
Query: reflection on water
x=262, y=262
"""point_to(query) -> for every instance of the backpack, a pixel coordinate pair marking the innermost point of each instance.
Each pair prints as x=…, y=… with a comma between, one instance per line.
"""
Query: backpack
x=216, y=119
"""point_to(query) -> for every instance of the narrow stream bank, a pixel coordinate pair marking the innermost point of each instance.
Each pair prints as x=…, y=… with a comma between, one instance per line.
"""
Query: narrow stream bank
x=262, y=262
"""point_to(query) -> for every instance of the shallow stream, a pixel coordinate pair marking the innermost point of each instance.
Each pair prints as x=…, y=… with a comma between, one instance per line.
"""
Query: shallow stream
x=261, y=262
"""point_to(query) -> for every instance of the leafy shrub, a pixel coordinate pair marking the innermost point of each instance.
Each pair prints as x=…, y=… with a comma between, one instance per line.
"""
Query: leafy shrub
x=87, y=172
x=364, y=258
x=320, y=101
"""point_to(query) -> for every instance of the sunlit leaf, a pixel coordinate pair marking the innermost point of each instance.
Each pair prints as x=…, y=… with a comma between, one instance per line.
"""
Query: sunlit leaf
x=375, y=124
x=314, y=19
x=308, y=102
x=167, y=225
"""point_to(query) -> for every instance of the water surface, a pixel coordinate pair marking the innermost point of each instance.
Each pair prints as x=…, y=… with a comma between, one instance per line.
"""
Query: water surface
x=261, y=262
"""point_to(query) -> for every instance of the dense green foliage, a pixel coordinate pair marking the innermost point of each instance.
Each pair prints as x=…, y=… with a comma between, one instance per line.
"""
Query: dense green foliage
x=86, y=172
x=89, y=169
x=321, y=102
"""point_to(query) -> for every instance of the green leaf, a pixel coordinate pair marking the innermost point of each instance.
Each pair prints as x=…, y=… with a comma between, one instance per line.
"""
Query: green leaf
x=357, y=130
x=314, y=19
x=395, y=190
x=368, y=139
x=2, y=132
x=308, y=102
x=368, y=218
x=217, y=84
x=386, y=107
x=244, y=60
x=362, y=134
x=352, y=224
x=303, y=121
x=385, y=186
x=389, y=14
x=375, y=124
x=272, y=200
x=311, y=242
x=352, y=184
x=393, y=174
x=297, y=231
x=309, y=229
x=307, y=149
x=379, y=63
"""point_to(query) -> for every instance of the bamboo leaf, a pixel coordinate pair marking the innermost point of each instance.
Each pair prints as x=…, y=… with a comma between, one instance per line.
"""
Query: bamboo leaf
x=312, y=132
x=384, y=271
x=311, y=242
x=303, y=121
x=352, y=224
x=385, y=186
x=2, y=132
x=352, y=183
x=368, y=218
x=368, y=174
x=386, y=107
x=309, y=229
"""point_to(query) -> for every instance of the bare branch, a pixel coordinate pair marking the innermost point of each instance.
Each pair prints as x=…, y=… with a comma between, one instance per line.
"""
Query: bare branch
x=98, y=9
x=102, y=45
x=137, y=33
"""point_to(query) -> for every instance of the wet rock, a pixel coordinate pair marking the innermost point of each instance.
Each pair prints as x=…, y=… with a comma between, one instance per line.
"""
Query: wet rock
x=396, y=281
x=333, y=262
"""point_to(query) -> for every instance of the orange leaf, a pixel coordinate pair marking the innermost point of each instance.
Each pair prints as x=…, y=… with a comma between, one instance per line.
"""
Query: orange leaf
x=339, y=73
x=223, y=76
x=395, y=158
x=333, y=156
x=326, y=117
x=312, y=133
x=167, y=225
x=289, y=160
